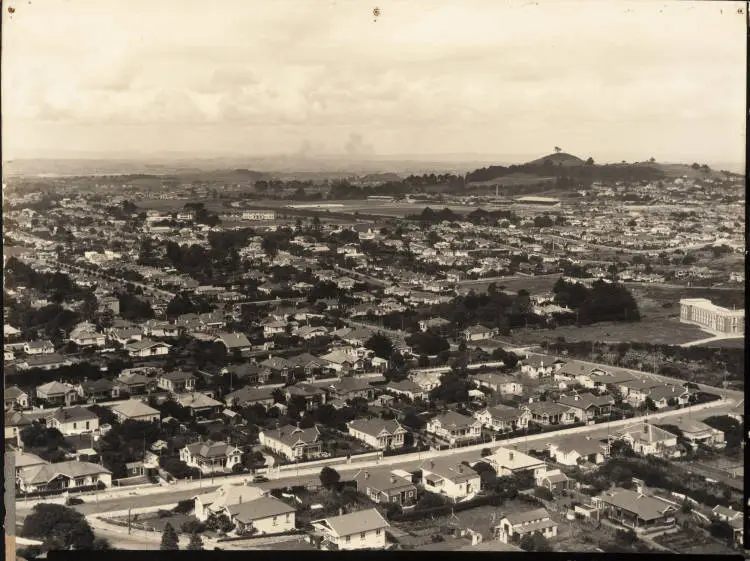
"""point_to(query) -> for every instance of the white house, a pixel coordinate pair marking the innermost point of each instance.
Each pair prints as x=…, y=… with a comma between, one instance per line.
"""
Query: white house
x=381, y=434
x=76, y=420
x=503, y=418
x=506, y=461
x=578, y=449
x=62, y=476
x=292, y=442
x=216, y=502
x=210, y=456
x=649, y=440
x=514, y=527
x=454, y=427
x=450, y=478
x=35, y=348
x=147, y=348
x=136, y=410
x=364, y=529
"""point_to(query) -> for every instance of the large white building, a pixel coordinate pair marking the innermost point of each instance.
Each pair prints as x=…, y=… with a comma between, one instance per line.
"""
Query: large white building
x=259, y=215
x=701, y=312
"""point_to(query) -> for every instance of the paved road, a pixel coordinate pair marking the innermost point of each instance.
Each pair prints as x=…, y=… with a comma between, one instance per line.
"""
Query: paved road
x=506, y=278
x=710, y=340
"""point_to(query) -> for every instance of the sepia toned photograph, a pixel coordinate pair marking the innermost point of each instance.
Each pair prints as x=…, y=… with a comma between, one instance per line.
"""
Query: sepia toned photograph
x=399, y=276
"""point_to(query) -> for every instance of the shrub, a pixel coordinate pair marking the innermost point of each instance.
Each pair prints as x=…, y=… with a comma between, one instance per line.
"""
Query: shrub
x=543, y=493
x=193, y=527
x=184, y=506
x=165, y=513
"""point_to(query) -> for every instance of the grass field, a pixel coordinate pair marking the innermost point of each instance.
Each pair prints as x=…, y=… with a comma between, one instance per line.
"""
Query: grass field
x=724, y=344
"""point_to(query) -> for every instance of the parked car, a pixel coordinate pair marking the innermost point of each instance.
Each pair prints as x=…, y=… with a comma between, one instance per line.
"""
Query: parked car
x=260, y=479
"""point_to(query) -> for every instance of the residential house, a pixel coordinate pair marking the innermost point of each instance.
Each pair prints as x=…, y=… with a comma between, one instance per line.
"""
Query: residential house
x=75, y=420
x=385, y=487
x=216, y=502
x=162, y=329
x=14, y=422
x=635, y=392
x=549, y=413
x=15, y=398
x=177, y=381
x=210, y=457
x=634, y=510
x=56, y=393
x=380, y=434
x=136, y=410
x=277, y=364
x=272, y=328
x=310, y=332
x=454, y=427
x=507, y=461
x=669, y=395
x=63, y=476
x=265, y=515
x=199, y=404
x=514, y=527
x=249, y=396
x=36, y=348
x=406, y=388
x=587, y=407
x=96, y=390
x=649, y=440
x=134, y=384
x=450, y=478
x=499, y=383
x=125, y=335
x=350, y=388
x=313, y=395
x=363, y=529
x=438, y=325
x=428, y=381
x=734, y=518
x=540, y=366
x=698, y=432
x=235, y=342
x=24, y=460
x=554, y=480
x=306, y=364
x=578, y=449
x=478, y=333
x=503, y=418
x=292, y=442
x=147, y=348
x=86, y=335
x=44, y=362
x=247, y=372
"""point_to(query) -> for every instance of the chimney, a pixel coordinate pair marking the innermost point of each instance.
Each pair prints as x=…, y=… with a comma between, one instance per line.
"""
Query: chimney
x=510, y=456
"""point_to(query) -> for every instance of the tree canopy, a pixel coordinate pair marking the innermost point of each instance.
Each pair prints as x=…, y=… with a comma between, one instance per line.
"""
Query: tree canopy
x=59, y=527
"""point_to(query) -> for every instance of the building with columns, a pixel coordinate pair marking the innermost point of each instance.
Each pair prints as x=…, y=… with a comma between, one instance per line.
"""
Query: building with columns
x=706, y=315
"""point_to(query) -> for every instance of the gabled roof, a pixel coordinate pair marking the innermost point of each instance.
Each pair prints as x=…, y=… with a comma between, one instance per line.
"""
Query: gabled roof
x=646, y=432
x=376, y=427
x=249, y=395
x=276, y=363
x=54, y=388
x=447, y=468
x=527, y=516
x=258, y=509
x=14, y=392
x=45, y=473
x=645, y=506
x=234, y=340
x=404, y=386
x=177, y=375
x=355, y=522
x=228, y=495
x=548, y=407
x=585, y=400
x=291, y=435
x=503, y=412
x=382, y=480
x=451, y=418
x=197, y=400
x=513, y=459
x=74, y=414
x=24, y=460
x=667, y=392
x=579, y=443
x=210, y=449
x=143, y=345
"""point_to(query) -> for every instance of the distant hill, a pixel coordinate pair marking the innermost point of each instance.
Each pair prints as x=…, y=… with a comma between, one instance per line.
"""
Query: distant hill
x=381, y=178
x=558, y=159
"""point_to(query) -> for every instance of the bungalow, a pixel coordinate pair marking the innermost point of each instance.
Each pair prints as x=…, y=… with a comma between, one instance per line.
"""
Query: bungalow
x=292, y=442
x=24, y=460
x=635, y=392
x=36, y=348
x=44, y=362
x=93, y=390
x=134, y=384
x=505, y=385
x=450, y=478
x=56, y=393
x=126, y=335
x=310, y=332
x=264, y=515
x=63, y=476
x=478, y=333
x=428, y=381
x=350, y=388
x=86, y=335
x=14, y=397
x=147, y=348
x=313, y=395
x=234, y=342
x=307, y=364
x=76, y=420
x=277, y=364
x=135, y=410
x=587, y=407
x=575, y=450
x=734, y=518
x=176, y=381
x=649, y=440
x=384, y=487
x=380, y=434
x=199, y=404
x=14, y=422
x=406, y=388
x=274, y=327
x=164, y=329
x=635, y=510
x=540, y=366
x=249, y=396
x=699, y=432
x=503, y=418
x=549, y=413
x=514, y=527
x=363, y=529
x=454, y=427
x=247, y=372
x=210, y=457
x=669, y=395
x=554, y=480
x=216, y=503
x=437, y=325
x=506, y=461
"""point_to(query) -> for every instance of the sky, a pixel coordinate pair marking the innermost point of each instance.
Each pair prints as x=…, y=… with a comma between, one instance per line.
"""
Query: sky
x=611, y=80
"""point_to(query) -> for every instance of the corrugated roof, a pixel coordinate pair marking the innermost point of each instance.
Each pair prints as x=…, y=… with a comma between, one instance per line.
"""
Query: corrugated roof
x=356, y=522
x=262, y=507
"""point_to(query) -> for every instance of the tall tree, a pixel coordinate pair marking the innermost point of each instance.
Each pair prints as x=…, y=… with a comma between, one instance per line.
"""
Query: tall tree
x=169, y=539
x=59, y=527
x=195, y=543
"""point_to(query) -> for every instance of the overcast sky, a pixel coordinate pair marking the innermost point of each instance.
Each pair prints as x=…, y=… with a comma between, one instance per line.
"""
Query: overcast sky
x=612, y=80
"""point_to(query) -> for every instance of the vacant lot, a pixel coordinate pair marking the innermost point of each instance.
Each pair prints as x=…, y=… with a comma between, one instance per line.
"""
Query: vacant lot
x=657, y=331
x=693, y=544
